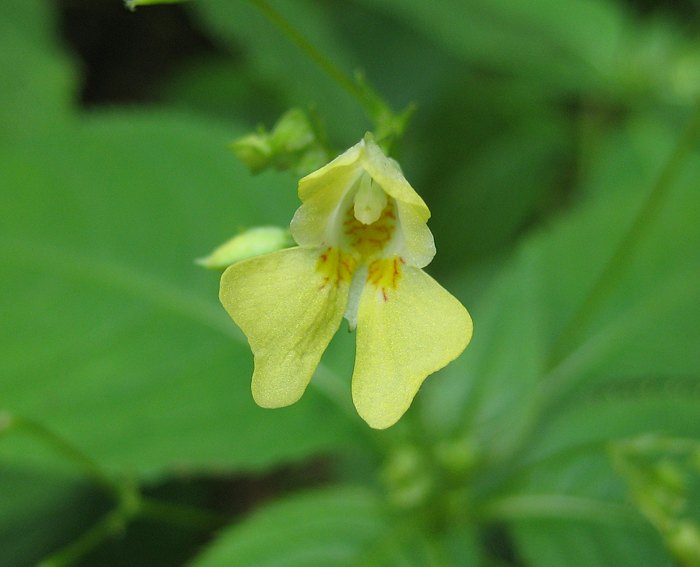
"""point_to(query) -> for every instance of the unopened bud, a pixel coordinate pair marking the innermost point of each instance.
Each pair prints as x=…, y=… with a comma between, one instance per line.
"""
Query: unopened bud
x=132, y=4
x=684, y=542
x=293, y=132
x=253, y=242
x=408, y=481
x=254, y=150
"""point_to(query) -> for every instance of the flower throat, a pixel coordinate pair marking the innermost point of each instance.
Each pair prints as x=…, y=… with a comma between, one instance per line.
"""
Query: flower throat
x=369, y=240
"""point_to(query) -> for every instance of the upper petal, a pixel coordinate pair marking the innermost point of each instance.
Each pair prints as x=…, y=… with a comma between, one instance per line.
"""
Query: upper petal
x=289, y=314
x=318, y=180
x=403, y=335
x=415, y=242
x=323, y=193
x=387, y=173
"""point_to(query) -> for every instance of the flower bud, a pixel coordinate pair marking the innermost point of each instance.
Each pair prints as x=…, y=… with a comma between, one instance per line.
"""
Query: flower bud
x=684, y=542
x=254, y=150
x=407, y=479
x=252, y=242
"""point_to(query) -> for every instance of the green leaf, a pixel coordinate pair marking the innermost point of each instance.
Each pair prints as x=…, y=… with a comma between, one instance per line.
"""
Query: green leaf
x=564, y=44
x=588, y=523
x=491, y=383
x=652, y=410
x=646, y=328
x=113, y=337
x=545, y=433
x=31, y=502
x=332, y=527
x=589, y=47
x=505, y=179
x=275, y=61
x=552, y=543
x=37, y=79
x=344, y=525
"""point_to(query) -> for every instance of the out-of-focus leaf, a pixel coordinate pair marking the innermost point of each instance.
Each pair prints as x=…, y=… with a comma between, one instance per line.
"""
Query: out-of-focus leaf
x=496, y=376
x=552, y=543
x=499, y=185
x=613, y=534
x=279, y=63
x=223, y=89
x=31, y=503
x=633, y=369
x=650, y=410
x=336, y=526
x=565, y=44
x=36, y=85
x=111, y=335
x=412, y=68
x=586, y=46
x=646, y=328
x=332, y=527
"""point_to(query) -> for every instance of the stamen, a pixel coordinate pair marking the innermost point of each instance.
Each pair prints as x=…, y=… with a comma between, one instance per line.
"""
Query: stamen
x=370, y=200
x=370, y=239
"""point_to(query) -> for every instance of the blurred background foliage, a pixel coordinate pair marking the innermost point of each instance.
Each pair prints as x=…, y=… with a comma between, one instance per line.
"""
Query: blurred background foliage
x=565, y=435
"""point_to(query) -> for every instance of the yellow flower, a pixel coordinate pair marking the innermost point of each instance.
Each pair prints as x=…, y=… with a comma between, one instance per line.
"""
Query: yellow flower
x=363, y=240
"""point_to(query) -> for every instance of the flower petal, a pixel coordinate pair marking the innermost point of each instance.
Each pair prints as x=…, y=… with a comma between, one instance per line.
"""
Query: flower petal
x=289, y=314
x=321, y=211
x=322, y=194
x=319, y=179
x=387, y=173
x=416, y=244
x=403, y=335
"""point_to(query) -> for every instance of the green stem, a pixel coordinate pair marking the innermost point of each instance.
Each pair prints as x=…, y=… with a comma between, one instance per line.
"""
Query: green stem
x=63, y=447
x=130, y=503
x=115, y=522
x=371, y=104
x=615, y=268
x=112, y=524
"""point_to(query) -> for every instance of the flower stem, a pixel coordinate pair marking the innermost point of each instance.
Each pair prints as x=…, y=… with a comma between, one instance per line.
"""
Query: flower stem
x=90, y=468
x=116, y=521
x=130, y=502
x=615, y=268
x=111, y=524
x=373, y=105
